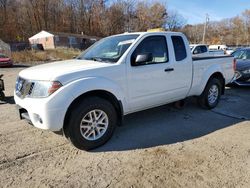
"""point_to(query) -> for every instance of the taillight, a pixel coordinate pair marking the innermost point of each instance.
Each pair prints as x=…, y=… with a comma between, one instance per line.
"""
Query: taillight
x=234, y=64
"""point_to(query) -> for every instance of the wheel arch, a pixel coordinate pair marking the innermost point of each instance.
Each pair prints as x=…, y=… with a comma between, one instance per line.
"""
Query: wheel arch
x=96, y=93
x=220, y=77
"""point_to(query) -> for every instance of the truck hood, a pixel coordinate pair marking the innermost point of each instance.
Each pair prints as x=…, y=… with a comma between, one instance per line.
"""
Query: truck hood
x=52, y=71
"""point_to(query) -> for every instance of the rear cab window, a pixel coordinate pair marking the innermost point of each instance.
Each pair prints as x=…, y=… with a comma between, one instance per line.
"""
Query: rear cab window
x=203, y=49
x=200, y=50
x=179, y=48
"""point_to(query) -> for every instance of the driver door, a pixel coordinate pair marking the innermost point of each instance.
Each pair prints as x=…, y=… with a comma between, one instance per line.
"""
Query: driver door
x=147, y=82
x=159, y=81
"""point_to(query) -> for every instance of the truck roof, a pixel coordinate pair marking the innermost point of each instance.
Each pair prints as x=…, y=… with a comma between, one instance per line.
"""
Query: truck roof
x=145, y=33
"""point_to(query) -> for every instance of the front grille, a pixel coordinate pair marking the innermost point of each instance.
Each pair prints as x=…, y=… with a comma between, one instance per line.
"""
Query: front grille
x=31, y=88
x=23, y=87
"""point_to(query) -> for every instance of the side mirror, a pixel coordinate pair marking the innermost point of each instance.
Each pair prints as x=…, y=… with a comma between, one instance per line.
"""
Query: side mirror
x=195, y=52
x=141, y=59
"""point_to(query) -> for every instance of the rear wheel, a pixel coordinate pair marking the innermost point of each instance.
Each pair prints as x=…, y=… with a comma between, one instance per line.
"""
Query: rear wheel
x=91, y=123
x=211, y=94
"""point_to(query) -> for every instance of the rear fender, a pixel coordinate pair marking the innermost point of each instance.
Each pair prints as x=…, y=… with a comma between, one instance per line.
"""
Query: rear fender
x=206, y=76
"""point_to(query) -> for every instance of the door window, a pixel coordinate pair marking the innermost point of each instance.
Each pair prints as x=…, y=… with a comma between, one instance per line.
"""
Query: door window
x=197, y=50
x=155, y=46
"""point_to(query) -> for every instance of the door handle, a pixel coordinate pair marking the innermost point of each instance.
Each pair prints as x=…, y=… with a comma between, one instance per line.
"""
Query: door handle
x=169, y=69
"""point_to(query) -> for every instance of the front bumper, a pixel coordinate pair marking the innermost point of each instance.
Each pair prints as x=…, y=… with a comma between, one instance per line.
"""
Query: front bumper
x=6, y=64
x=23, y=114
x=43, y=113
x=242, y=83
x=241, y=79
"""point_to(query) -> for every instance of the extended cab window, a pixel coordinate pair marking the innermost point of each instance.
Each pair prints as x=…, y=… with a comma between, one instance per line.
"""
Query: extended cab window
x=179, y=48
x=153, y=46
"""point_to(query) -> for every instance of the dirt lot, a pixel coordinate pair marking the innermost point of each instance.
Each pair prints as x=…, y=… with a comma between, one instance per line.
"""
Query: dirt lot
x=162, y=147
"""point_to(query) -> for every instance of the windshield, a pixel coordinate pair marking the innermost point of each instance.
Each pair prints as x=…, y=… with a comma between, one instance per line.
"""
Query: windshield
x=109, y=49
x=241, y=54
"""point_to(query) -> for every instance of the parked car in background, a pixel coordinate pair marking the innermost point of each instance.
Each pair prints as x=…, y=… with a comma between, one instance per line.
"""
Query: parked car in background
x=218, y=47
x=5, y=61
x=37, y=47
x=201, y=50
x=242, y=75
x=229, y=51
x=216, y=52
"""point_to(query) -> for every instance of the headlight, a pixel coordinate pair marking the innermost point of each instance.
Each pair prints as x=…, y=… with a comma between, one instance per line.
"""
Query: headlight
x=246, y=71
x=41, y=89
x=237, y=75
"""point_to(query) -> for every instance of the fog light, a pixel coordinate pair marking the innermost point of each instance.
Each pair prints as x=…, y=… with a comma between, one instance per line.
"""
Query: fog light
x=38, y=118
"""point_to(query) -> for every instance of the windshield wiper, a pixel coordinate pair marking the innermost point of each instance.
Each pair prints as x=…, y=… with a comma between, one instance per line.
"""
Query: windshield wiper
x=100, y=60
x=96, y=59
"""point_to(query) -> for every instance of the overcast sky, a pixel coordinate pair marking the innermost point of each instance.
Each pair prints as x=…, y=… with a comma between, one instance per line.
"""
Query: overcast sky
x=194, y=11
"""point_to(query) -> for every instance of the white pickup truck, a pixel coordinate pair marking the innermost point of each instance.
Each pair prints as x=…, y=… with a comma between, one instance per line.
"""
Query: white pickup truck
x=87, y=97
x=202, y=50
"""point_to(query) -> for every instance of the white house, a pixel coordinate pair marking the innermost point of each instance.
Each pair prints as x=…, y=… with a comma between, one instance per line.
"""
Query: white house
x=52, y=40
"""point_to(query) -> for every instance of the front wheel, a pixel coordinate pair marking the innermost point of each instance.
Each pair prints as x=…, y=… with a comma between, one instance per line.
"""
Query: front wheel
x=91, y=123
x=211, y=94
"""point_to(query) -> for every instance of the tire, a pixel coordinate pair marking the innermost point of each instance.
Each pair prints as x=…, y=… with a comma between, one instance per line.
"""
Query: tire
x=210, y=97
x=91, y=123
x=2, y=96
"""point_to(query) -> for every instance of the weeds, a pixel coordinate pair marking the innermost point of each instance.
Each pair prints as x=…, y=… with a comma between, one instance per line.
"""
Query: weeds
x=31, y=56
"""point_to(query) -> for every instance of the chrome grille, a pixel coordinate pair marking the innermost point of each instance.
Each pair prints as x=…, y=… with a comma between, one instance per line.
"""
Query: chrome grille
x=31, y=88
x=23, y=87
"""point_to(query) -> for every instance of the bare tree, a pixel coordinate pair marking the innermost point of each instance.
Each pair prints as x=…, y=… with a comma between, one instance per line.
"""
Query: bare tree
x=175, y=21
x=3, y=8
x=150, y=16
x=20, y=19
x=246, y=19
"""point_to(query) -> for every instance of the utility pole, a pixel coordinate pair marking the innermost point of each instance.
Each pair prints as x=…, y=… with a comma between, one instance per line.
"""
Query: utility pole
x=246, y=33
x=205, y=28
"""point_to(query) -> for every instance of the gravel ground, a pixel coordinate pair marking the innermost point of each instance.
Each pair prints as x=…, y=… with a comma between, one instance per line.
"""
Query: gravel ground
x=161, y=147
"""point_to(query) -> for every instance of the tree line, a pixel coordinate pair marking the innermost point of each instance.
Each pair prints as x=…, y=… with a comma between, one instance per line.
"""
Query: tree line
x=233, y=31
x=20, y=19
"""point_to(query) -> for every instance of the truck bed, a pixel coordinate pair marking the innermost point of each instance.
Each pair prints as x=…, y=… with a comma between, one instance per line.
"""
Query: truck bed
x=203, y=66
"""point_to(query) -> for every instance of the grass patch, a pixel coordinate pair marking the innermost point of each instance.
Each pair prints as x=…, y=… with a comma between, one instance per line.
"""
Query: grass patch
x=31, y=56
